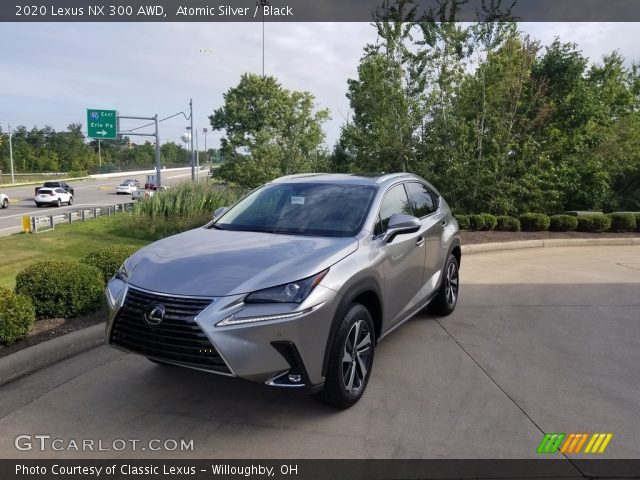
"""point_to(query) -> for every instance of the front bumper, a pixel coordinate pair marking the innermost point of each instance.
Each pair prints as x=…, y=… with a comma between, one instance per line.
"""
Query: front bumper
x=286, y=339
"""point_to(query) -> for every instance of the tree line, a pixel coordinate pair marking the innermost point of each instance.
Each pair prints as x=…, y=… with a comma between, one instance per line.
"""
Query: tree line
x=497, y=122
x=47, y=150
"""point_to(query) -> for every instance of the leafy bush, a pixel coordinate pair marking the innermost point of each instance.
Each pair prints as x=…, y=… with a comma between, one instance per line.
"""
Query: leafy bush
x=593, y=223
x=505, y=223
x=637, y=215
x=109, y=259
x=17, y=314
x=61, y=288
x=476, y=222
x=563, y=223
x=623, y=222
x=534, y=222
x=490, y=221
x=463, y=221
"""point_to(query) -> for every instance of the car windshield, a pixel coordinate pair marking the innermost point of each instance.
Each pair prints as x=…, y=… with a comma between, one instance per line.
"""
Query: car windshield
x=301, y=209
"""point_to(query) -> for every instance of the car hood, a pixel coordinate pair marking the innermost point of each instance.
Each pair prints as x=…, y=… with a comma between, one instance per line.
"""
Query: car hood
x=206, y=262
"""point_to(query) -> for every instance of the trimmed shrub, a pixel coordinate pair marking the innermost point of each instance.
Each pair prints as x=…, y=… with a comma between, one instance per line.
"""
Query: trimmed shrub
x=61, y=288
x=476, y=222
x=505, y=223
x=490, y=221
x=463, y=221
x=594, y=223
x=109, y=259
x=622, y=222
x=563, y=223
x=534, y=222
x=17, y=314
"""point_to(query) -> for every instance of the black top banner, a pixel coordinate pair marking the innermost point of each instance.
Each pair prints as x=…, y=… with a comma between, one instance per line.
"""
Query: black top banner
x=316, y=11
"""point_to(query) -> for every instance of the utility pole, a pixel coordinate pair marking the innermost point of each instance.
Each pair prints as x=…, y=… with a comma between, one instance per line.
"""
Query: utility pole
x=99, y=155
x=193, y=157
x=204, y=130
x=13, y=180
x=197, y=157
x=159, y=184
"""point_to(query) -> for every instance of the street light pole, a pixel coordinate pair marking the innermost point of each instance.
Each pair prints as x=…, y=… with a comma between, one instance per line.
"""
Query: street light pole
x=193, y=158
x=204, y=130
x=262, y=4
x=13, y=180
x=158, y=168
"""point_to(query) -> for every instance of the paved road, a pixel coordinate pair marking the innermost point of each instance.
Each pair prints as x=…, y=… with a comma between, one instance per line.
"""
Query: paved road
x=88, y=193
x=544, y=340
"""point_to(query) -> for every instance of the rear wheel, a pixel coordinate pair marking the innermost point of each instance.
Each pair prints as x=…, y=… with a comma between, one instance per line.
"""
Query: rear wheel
x=447, y=298
x=59, y=203
x=5, y=203
x=350, y=359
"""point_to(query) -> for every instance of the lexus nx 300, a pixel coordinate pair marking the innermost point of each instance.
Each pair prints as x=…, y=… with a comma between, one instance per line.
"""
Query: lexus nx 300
x=295, y=284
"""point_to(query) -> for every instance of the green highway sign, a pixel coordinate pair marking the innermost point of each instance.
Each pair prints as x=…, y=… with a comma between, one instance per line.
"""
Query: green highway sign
x=101, y=123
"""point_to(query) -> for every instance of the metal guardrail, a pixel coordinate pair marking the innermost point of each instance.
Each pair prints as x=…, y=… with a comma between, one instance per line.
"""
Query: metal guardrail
x=42, y=223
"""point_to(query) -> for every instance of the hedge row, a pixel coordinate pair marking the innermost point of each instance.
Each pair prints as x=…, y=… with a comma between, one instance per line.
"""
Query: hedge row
x=538, y=222
x=57, y=288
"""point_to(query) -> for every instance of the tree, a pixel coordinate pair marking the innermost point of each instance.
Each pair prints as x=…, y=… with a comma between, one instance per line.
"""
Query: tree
x=270, y=131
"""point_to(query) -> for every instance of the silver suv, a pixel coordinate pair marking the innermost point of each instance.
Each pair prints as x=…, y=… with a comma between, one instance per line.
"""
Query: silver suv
x=295, y=284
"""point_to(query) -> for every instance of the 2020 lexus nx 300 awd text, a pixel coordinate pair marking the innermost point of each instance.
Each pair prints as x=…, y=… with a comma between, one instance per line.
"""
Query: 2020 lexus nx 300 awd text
x=295, y=284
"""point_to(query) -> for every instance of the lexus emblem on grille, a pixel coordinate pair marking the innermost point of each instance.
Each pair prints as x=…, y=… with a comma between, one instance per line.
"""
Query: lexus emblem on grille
x=154, y=314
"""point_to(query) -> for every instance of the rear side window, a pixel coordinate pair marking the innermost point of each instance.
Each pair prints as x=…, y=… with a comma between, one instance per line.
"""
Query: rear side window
x=395, y=201
x=423, y=199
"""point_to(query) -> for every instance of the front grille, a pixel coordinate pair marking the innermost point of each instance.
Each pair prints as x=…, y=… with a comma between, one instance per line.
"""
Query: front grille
x=178, y=338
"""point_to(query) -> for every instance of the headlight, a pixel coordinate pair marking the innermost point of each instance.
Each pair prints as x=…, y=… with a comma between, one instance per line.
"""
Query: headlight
x=294, y=292
x=123, y=272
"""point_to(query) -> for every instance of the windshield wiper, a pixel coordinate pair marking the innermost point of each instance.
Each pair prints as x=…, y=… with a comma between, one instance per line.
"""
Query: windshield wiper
x=217, y=227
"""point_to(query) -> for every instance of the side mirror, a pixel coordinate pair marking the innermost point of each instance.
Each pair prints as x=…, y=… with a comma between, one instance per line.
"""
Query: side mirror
x=219, y=211
x=400, y=223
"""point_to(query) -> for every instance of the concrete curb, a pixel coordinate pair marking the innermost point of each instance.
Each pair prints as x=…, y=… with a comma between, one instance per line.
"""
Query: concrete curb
x=476, y=248
x=24, y=362
x=47, y=353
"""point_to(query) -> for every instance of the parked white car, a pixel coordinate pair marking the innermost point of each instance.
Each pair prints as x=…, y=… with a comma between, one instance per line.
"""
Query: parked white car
x=53, y=196
x=4, y=200
x=127, y=187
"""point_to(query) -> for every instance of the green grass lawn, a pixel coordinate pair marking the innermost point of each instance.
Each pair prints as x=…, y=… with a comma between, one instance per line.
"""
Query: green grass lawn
x=66, y=241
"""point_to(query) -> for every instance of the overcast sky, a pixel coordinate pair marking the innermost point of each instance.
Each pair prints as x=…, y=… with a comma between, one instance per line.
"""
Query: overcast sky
x=50, y=73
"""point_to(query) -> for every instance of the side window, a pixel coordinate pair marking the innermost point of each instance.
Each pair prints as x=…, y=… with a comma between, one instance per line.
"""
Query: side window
x=423, y=200
x=395, y=201
x=60, y=190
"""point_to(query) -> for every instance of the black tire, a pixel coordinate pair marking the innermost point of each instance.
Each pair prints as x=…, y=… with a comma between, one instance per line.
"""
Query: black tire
x=161, y=363
x=70, y=200
x=5, y=203
x=346, y=380
x=447, y=298
x=59, y=203
x=39, y=205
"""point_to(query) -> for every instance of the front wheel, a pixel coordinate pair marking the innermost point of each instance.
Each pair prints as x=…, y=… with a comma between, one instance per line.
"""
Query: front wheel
x=5, y=203
x=447, y=297
x=350, y=359
x=70, y=200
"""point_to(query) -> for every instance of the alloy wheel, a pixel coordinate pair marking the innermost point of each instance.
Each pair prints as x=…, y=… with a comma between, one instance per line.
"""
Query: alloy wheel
x=451, y=288
x=356, y=358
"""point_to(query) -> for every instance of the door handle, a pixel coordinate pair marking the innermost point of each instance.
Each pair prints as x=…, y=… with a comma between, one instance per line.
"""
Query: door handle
x=420, y=242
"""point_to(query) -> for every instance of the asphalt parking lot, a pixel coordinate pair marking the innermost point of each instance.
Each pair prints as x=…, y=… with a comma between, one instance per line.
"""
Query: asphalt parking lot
x=543, y=340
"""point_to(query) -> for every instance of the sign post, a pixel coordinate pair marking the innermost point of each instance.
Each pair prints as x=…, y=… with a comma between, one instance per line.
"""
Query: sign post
x=101, y=124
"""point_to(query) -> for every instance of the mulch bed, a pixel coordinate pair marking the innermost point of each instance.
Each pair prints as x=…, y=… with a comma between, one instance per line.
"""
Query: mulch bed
x=491, y=237
x=43, y=330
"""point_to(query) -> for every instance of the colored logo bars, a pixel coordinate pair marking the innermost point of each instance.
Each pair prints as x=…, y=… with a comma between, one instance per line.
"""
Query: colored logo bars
x=573, y=442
